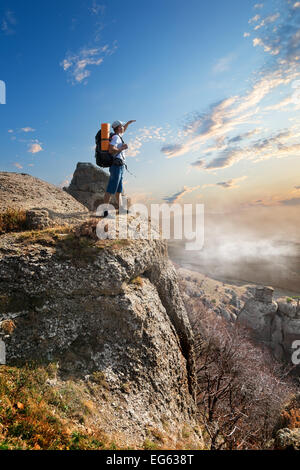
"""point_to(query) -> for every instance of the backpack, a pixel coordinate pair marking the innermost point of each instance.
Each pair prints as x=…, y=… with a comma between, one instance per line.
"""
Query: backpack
x=103, y=158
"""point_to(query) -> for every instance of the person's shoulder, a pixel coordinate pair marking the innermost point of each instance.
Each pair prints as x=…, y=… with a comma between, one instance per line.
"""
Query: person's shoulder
x=115, y=139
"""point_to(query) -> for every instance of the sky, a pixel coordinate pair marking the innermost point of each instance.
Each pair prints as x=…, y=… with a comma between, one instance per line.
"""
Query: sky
x=214, y=88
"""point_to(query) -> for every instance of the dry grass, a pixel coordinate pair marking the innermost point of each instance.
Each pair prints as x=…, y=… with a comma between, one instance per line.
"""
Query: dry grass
x=35, y=415
x=137, y=281
x=12, y=220
x=39, y=412
x=7, y=326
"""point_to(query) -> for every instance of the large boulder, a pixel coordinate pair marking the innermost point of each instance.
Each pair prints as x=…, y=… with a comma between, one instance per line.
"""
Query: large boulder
x=88, y=185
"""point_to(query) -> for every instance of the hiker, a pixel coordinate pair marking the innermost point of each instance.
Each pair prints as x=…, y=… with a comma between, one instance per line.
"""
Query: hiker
x=117, y=148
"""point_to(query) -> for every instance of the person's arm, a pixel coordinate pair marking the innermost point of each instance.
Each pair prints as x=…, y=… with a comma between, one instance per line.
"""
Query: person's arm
x=128, y=124
x=114, y=151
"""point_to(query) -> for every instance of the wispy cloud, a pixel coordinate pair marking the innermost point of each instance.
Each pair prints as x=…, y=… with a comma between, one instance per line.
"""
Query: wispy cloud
x=180, y=194
x=144, y=135
x=229, y=184
x=223, y=64
x=78, y=65
x=219, y=123
x=8, y=23
x=97, y=8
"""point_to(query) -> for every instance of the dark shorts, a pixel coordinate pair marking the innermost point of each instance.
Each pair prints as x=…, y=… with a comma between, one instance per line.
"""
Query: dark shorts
x=115, y=184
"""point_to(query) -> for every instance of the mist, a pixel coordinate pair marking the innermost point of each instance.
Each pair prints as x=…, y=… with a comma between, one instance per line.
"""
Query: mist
x=259, y=245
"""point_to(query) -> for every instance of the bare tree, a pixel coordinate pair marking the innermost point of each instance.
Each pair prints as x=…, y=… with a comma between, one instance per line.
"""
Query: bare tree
x=241, y=388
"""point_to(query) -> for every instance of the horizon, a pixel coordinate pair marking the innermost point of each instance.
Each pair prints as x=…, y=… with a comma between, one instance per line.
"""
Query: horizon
x=214, y=89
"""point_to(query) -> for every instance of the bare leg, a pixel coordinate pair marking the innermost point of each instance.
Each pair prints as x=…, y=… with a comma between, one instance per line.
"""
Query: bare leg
x=106, y=198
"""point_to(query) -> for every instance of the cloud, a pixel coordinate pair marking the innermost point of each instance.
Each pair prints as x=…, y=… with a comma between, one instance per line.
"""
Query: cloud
x=97, y=8
x=246, y=35
x=35, y=148
x=229, y=184
x=10, y=131
x=223, y=118
x=66, y=181
x=258, y=6
x=18, y=165
x=267, y=20
x=223, y=64
x=281, y=104
x=198, y=163
x=78, y=65
x=27, y=129
x=280, y=34
x=144, y=135
x=295, y=201
x=8, y=23
x=179, y=195
x=279, y=145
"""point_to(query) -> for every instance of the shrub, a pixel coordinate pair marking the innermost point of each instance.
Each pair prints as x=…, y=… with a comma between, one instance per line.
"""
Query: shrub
x=12, y=220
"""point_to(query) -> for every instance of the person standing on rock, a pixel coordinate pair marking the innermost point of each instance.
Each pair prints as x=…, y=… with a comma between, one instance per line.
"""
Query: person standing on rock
x=117, y=148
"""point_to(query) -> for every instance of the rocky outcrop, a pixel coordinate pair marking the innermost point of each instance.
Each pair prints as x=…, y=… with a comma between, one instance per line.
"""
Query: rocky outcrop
x=45, y=205
x=88, y=185
x=109, y=307
x=275, y=323
x=22, y=191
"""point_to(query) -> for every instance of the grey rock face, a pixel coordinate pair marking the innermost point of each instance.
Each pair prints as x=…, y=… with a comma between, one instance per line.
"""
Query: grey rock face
x=276, y=323
x=264, y=294
x=258, y=316
x=88, y=185
x=93, y=316
x=22, y=191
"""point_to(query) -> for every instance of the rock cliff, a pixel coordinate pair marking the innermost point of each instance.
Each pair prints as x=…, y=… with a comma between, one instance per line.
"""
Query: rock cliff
x=108, y=307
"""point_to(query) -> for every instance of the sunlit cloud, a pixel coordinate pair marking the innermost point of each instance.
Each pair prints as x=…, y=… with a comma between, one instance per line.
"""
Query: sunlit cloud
x=219, y=123
x=18, y=165
x=27, y=129
x=35, y=148
x=229, y=184
x=180, y=194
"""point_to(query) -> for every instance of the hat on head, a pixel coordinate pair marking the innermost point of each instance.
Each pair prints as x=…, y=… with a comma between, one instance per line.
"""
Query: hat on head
x=116, y=124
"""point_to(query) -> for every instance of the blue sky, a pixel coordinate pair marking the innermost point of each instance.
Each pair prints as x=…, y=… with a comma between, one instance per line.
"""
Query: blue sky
x=212, y=85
